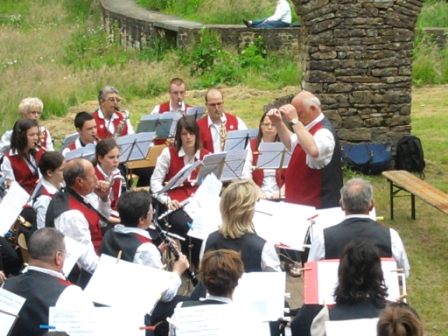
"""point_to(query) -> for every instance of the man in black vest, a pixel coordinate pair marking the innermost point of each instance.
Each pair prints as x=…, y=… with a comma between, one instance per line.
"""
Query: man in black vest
x=44, y=285
x=357, y=201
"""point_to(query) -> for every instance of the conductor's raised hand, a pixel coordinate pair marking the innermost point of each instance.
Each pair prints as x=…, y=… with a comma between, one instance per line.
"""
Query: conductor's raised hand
x=275, y=116
x=181, y=264
x=289, y=111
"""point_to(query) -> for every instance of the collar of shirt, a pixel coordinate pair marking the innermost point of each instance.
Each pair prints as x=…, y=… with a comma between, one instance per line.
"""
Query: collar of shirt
x=217, y=298
x=120, y=228
x=210, y=122
x=47, y=185
x=181, y=153
x=101, y=115
x=177, y=108
x=47, y=271
x=320, y=117
x=357, y=216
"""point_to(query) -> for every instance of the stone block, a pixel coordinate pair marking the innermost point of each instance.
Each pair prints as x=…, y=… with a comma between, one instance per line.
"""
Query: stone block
x=353, y=122
x=358, y=134
x=381, y=72
x=340, y=87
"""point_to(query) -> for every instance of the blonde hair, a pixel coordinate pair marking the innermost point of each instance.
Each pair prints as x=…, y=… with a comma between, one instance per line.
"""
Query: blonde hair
x=27, y=103
x=237, y=208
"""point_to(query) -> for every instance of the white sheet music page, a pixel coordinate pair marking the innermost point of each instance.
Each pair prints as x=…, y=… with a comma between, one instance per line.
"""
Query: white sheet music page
x=233, y=166
x=10, y=305
x=273, y=155
x=11, y=206
x=180, y=177
x=266, y=307
x=74, y=251
x=217, y=320
x=283, y=224
x=211, y=163
x=97, y=321
x=112, y=277
x=364, y=327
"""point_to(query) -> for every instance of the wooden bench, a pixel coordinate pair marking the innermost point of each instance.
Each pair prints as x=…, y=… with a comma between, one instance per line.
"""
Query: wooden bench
x=401, y=180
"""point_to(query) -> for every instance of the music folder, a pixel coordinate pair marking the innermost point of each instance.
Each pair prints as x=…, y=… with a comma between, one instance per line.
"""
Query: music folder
x=196, y=111
x=180, y=177
x=87, y=152
x=239, y=139
x=273, y=155
x=135, y=146
x=164, y=125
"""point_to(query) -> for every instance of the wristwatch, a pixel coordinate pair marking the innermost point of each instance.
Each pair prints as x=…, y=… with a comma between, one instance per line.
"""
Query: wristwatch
x=293, y=122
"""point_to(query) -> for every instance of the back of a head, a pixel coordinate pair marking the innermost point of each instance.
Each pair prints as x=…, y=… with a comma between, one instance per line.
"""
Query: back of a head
x=74, y=168
x=238, y=208
x=360, y=275
x=399, y=320
x=50, y=160
x=357, y=195
x=220, y=271
x=44, y=243
x=133, y=205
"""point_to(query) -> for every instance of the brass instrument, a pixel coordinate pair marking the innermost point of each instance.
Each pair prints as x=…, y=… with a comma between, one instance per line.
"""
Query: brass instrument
x=121, y=125
x=223, y=134
x=12, y=235
x=96, y=138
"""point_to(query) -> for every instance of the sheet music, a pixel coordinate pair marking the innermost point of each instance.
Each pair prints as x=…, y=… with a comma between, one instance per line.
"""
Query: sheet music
x=87, y=152
x=97, y=321
x=180, y=177
x=196, y=111
x=158, y=123
x=211, y=163
x=69, y=139
x=135, y=146
x=10, y=305
x=11, y=206
x=266, y=307
x=74, y=251
x=147, y=284
x=273, y=155
x=327, y=280
x=364, y=327
x=239, y=139
x=283, y=224
x=234, y=165
x=213, y=320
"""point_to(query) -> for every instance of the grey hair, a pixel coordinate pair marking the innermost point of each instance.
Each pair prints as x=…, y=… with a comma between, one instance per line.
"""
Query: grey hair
x=105, y=91
x=310, y=101
x=357, y=195
x=74, y=170
x=44, y=243
x=27, y=103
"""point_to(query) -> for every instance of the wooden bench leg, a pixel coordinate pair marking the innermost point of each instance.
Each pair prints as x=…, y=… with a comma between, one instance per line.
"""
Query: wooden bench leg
x=391, y=200
x=413, y=206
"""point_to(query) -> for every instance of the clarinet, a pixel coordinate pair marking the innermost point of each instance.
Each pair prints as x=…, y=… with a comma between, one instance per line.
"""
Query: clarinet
x=173, y=249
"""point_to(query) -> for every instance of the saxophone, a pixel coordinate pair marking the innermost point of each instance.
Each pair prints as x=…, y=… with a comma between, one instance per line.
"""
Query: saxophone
x=223, y=134
x=120, y=126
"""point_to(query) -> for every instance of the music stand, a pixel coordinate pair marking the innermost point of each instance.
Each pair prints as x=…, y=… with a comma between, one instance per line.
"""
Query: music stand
x=212, y=163
x=87, y=152
x=196, y=111
x=69, y=139
x=239, y=139
x=162, y=124
x=226, y=166
x=273, y=155
x=179, y=178
x=135, y=146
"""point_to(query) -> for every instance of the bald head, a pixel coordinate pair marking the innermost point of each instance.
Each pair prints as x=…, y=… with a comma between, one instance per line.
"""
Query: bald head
x=357, y=196
x=307, y=106
x=213, y=94
x=214, y=101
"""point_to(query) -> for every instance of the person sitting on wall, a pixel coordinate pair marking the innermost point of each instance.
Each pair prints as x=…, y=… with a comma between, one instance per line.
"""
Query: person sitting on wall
x=280, y=19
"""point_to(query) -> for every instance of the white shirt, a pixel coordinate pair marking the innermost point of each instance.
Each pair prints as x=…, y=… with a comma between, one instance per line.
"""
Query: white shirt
x=325, y=145
x=172, y=108
x=71, y=297
x=161, y=169
x=41, y=203
x=78, y=144
x=7, y=169
x=269, y=257
x=317, y=251
x=5, y=142
x=73, y=224
x=148, y=254
x=109, y=124
x=282, y=12
x=215, y=131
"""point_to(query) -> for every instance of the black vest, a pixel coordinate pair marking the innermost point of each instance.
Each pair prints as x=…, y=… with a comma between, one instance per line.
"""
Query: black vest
x=128, y=243
x=363, y=229
x=249, y=245
x=41, y=292
x=363, y=309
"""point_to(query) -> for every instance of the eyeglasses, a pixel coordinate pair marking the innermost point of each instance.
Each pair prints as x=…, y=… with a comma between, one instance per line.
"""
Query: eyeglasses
x=215, y=104
x=35, y=112
x=266, y=124
x=178, y=93
x=114, y=100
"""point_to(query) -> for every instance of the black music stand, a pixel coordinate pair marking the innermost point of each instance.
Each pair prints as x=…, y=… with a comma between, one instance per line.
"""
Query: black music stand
x=135, y=147
x=87, y=152
x=226, y=166
x=196, y=111
x=68, y=140
x=164, y=125
x=273, y=155
x=239, y=139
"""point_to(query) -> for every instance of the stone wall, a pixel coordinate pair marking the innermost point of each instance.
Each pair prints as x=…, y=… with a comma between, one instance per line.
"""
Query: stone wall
x=357, y=58
x=137, y=27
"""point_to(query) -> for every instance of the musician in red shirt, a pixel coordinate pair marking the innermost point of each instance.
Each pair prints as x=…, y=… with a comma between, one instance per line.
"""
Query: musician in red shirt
x=176, y=90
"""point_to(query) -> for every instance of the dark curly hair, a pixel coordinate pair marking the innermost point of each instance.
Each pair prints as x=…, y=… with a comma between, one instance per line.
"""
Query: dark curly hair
x=360, y=275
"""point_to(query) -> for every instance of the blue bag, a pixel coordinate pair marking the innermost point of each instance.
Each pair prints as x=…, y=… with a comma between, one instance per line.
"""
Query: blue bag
x=369, y=159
